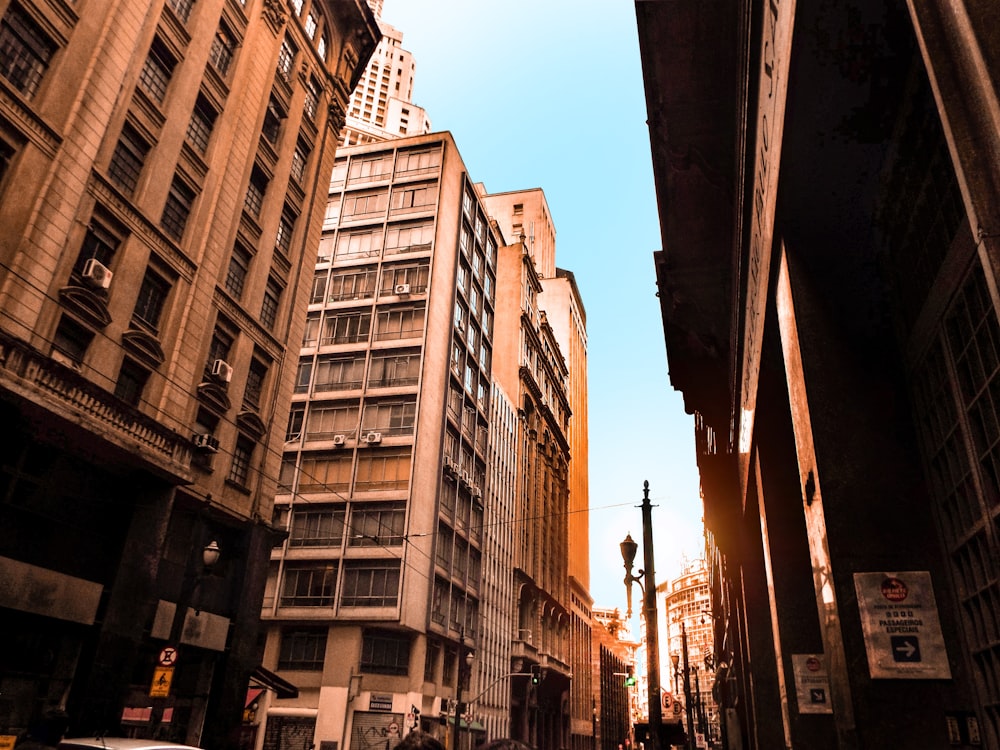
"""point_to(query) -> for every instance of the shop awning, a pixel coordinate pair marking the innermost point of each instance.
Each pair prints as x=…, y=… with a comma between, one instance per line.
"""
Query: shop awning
x=267, y=679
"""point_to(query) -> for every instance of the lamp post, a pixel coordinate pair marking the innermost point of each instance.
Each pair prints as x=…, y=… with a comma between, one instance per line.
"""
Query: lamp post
x=210, y=555
x=469, y=658
x=647, y=582
x=687, y=687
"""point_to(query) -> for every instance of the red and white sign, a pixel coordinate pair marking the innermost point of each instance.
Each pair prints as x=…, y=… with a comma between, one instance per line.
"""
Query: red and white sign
x=667, y=699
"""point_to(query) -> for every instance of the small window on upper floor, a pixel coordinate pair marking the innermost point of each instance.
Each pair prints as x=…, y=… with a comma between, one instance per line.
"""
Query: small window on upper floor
x=311, y=104
x=177, y=209
x=272, y=300
x=239, y=266
x=70, y=342
x=202, y=123
x=157, y=70
x=286, y=225
x=223, y=50
x=149, y=304
x=131, y=382
x=311, y=25
x=299, y=160
x=127, y=159
x=255, y=192
x=100, y=244
x=296, y=6
x=182, y=8
x=25, y=50
x=286, y=60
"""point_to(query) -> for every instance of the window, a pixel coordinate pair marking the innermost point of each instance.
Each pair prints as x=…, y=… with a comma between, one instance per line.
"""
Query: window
x=362, y=244
x=383, y=469
x=25, y=50
x=311, y=25
x=177, y=209
x=156, y=71
x=309, y=585
x=239, y=267
x=328, y=471
x=149, y=304
x=339, y=373
x=394, y=369
x=366, y=168
x=299, y=160
x=6, y=155
x=222, y=343
x=297, y=5
x=271, y=129
x=371, y=583
x=364, y=204
x=399, y=323
x=182, y=8
x=255, y=384
x=321, y=48
x=390, y=417
x=383, y=652
x=100, y=244
x=302, y=648
x=345, y=328
x=286, y=59
x=410, y=162
x=296, y=418
x=70, y=342
x=310, y=336
x=318, y=526
x=239, y=469
x=320, y=281
x=414, y=198
x=431, y=660
x=255, y=192
x=223, y=49
x=126, y=161
x=202, y=122
x=272, y=300
x=311, y=104
x=286, y=224
x=327, y=420
x=409, y=238
x=413, y=276
x=131, y=382
x=356, y=283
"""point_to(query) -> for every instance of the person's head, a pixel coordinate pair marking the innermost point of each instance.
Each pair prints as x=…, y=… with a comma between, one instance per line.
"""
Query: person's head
x=418, y=740
x=503, y=743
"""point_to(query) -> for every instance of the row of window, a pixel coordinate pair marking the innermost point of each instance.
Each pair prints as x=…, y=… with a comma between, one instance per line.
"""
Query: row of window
x=335, y=372
x=376, y=167
x=352, y=326
x=382, y=652
x=340, y=471
x=363, y=583
x=361, y=282
x=369, y=242
x=326, y=420
x=325, y=525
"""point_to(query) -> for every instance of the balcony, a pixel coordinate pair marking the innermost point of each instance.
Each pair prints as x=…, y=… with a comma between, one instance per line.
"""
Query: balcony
x=63, y=393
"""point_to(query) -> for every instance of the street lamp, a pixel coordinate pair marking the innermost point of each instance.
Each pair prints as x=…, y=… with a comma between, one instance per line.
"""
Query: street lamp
x=646, y=579
x=469, y=658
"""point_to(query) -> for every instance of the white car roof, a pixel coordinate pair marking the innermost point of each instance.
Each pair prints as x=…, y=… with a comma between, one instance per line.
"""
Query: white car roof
x=119, y=743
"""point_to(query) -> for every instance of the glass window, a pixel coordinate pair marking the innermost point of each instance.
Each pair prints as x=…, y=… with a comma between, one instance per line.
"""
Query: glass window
x=70, y=342
x=100, y=244
x=157, y=70
x=357, y=205
x=409, y=238
x=413, y=277
x=271, y=302
x=409, y=162
x=239, y=267
x=383, y=469
x=394, y=368
x=25, y=50
x=152, y=296
x=286, y=60
x=309, y=585
x=414, y=198
x=302, y=648
x=399, y=323
x=328, y=471
x=396, y=417
x=130, y=382
x=345, y=328
x=354, y=283
x=327, y=420
x=299, y=160
x=182, y=8
x=255, y=192
x=223, y=50
x=339, y=373
x=202, y=122
x=311, y=25
x=177, y=209
x=362, y=244
x=239, y=469
x=296, y=418
x=311, y=104
x=318, y=526
x=255, y=384
x=273, y=117
x=127, y=160
x=384, y=652
x=373, y=583
x=286, y=225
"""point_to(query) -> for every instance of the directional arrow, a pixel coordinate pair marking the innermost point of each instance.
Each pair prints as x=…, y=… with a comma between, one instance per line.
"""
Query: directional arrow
x=905, y=648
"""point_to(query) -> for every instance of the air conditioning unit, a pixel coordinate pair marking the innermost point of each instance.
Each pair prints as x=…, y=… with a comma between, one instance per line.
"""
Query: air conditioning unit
x=339, y=439
x=373, y=437
x=477, y=493
x=207, y=443
x=449, y=465
x=402, y=289
x=464, y=476
x=222, y=370
x=97, y=274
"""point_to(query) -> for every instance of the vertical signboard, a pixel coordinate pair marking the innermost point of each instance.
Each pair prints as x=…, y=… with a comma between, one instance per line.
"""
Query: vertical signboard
x=902, y=631
x=812, y=684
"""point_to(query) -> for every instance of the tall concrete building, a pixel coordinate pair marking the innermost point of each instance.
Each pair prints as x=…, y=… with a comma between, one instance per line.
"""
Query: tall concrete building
x=827, y=182
x=377, y=601
x=382, y=104
x=524, y=216
x=160, y=163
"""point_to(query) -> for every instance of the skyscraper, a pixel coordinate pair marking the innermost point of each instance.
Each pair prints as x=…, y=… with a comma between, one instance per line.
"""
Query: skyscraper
x=375, y=598
x=159, y=164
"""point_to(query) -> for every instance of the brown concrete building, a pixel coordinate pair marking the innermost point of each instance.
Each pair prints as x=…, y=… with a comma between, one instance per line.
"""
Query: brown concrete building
x=375, y=599
x=159, y=169
x=827, y=179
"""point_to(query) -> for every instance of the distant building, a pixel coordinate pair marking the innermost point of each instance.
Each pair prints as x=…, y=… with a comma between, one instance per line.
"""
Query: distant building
x=159, y=164
x=382, y=104
x=612, y=713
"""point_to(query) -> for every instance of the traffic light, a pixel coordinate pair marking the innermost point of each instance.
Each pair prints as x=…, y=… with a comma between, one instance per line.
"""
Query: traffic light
x=535, y=676
x=629, y=676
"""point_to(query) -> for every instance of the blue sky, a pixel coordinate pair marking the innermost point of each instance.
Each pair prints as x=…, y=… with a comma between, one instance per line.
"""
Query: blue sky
x=548, y=94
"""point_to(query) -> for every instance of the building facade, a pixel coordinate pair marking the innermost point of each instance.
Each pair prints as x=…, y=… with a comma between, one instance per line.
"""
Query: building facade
x=159, y=164
x=376, y=598
x=828, y=284
x=688, y=651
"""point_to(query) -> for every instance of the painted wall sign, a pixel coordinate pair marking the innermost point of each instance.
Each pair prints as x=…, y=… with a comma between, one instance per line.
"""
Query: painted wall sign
x=379, y=702
x=812, y=684
x=902, y=631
